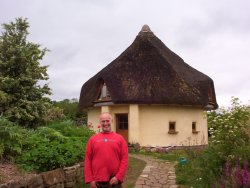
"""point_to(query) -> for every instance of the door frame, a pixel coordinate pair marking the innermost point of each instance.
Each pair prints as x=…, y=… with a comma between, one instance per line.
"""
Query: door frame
x=124, y=131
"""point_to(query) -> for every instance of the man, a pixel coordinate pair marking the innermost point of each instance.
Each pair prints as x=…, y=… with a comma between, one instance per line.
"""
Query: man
x=106, y=159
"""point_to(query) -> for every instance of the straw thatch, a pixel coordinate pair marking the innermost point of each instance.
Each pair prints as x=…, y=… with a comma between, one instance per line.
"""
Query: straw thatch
x=148, y=72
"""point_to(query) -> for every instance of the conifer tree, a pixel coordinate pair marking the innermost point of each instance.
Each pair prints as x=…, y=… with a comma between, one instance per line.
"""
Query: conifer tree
x=23, y=99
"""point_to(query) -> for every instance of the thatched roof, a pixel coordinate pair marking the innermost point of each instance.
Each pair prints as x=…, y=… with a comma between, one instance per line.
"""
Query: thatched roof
x=148, y=72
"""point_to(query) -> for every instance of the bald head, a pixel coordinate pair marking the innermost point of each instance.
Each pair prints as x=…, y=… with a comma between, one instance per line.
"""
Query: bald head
x=105, y=114
x=105, y=121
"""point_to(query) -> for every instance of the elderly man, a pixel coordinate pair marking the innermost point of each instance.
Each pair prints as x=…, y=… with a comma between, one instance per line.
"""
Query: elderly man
x=106, y=159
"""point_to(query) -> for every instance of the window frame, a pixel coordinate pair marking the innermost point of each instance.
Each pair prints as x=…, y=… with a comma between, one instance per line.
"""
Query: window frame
x=194, y=127
x=104, y=94
x=172, y=127
x=123, y=123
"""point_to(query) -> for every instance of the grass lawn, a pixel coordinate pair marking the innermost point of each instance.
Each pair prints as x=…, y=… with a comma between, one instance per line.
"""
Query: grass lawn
x=172, y=156
x=135, y=167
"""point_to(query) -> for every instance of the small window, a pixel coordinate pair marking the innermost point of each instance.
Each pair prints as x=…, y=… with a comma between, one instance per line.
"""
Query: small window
x=104, y=93
x=172, y=127
x=194, y=130
x=194, y=126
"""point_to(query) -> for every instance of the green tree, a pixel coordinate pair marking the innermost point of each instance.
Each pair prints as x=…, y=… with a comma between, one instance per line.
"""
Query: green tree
x=69, y=107
x=22, y=96
x=70, y=110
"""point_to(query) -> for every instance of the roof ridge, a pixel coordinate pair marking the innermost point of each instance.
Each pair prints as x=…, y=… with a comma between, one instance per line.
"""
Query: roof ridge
x=145, y=30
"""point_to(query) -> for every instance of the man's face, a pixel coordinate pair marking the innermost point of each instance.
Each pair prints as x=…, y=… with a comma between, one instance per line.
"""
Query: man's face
x=105, y=121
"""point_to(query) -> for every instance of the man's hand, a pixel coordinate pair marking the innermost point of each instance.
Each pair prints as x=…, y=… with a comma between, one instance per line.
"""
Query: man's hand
x=113, y=181
x=93, y=184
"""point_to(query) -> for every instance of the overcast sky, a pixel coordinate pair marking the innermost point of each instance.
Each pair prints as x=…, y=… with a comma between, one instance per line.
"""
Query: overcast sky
x=84, y=36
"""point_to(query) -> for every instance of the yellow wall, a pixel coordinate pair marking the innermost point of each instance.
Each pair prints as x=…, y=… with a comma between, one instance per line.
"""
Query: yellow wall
x=94, y=113
x=121, y=109
x=134, y=124
x=149, y=124
x=154, y=126
x=93, y=117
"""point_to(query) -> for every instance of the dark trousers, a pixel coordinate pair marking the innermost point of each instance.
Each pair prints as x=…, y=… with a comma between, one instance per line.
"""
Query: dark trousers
x=107, y=185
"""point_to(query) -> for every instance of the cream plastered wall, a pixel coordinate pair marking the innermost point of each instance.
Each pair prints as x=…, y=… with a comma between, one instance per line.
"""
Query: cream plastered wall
x=93, y=117
x=94, y=114
x=134, y=124
x=149, y=124
x=133, y=119
x=154, y=126
x=117, y=109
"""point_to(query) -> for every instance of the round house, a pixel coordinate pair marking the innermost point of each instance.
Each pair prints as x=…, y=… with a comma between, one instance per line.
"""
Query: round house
x=155, y=98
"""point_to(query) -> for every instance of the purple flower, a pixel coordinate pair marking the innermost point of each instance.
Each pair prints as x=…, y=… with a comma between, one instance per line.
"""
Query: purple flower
x=245, y=177
x=222, y=185
x=245, y=166
x=237, y=174
x=241, y=175
x=245, y=174
x=227, y=169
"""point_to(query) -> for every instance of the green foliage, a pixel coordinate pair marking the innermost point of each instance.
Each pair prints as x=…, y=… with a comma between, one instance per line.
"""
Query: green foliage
x=69, y=129
x=70, y=110
x=186, y=175
x=174, y=155
x=11, y=139
x=50, y=134
x=22, y=98
x=229, y=143
x=42, y=154
x=54, y=114
x=69, y=107
x=58, y=145
x=230, y=131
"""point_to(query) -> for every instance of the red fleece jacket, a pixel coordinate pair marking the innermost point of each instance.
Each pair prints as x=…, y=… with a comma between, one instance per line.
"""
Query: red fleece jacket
x=106, y=156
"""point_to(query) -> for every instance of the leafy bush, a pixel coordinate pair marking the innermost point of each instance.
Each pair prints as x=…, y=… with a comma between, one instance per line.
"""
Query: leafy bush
x=11, y=139
x=42, y=154
x=69, y=108
x=53, y=114
x=68, y=128
x=59, y=145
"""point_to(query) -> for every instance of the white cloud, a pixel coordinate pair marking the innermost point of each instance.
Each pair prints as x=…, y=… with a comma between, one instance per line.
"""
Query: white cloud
x=84, y=36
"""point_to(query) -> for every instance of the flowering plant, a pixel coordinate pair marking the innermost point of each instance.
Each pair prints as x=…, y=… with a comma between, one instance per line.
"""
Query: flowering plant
x=90, y=126
x=224, y=163
x=99, y=127
x=229, y=150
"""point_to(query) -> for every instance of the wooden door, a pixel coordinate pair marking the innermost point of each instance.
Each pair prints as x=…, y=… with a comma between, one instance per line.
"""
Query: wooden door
x=122, y=125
